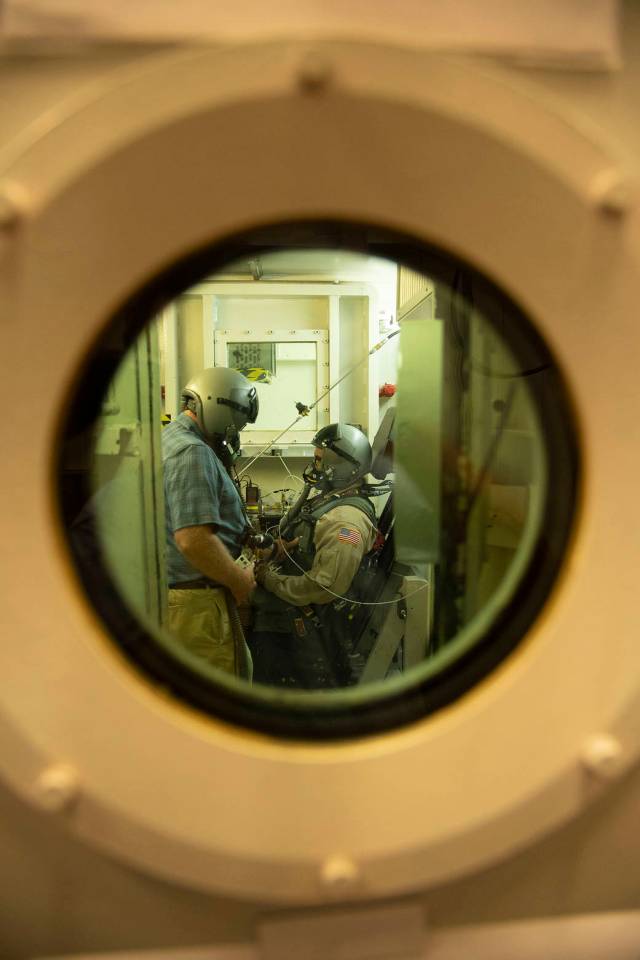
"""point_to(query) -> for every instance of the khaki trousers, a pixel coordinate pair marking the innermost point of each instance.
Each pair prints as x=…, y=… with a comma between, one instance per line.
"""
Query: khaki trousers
x=200, y=620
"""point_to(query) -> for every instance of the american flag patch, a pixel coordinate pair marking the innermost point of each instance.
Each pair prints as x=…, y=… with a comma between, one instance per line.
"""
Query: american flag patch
x=349, y=536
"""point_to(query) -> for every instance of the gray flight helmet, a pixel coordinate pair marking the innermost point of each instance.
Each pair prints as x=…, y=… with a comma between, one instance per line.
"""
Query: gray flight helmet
x=346, y=457
x=223, y=400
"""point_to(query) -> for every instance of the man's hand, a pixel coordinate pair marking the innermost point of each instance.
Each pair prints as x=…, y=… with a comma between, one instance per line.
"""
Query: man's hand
x=260, y=570
x=283, y=547
x=208, y=554
x=264, y=554
x=244, y=585
x=277, y=552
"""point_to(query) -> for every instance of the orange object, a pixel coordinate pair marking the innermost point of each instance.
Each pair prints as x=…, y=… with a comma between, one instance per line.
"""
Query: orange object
x=387, y=390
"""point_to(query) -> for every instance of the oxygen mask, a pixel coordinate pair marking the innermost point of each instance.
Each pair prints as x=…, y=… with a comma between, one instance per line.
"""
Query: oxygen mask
x=317, y=474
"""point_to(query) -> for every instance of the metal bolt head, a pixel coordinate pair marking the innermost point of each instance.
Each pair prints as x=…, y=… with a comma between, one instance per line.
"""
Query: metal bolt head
x=611, y=192
x=313, y=74
x=602, y=756
x=57, y=787
x=13, y=201
x=339, y=873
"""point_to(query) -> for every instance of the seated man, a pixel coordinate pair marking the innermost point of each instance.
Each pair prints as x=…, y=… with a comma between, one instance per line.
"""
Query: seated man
x=301, y=619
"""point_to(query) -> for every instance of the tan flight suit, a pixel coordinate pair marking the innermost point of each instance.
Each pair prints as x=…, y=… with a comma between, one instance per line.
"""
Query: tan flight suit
x=341, y=538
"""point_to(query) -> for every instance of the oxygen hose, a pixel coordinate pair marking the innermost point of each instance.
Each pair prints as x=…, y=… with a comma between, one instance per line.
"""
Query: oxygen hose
x=292, y=513
x=244, y=663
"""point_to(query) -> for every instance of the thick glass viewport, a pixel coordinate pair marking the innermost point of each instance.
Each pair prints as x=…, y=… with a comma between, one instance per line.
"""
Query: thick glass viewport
x=315, y=486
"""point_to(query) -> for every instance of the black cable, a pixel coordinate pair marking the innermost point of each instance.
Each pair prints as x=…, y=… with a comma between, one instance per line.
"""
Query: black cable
x=488, y=372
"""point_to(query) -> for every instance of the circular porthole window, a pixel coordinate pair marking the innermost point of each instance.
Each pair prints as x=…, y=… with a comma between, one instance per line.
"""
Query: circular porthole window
x=318, y=480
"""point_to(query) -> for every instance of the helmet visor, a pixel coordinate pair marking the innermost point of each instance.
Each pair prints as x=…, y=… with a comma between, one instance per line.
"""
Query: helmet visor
x=253, y=405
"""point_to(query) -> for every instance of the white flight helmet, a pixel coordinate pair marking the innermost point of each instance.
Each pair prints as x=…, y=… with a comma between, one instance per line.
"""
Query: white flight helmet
x=224, y=401
x=346, y=456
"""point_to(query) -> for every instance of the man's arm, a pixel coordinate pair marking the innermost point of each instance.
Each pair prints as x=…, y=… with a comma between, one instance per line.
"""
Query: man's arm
x=208, y=554
x=341, y=539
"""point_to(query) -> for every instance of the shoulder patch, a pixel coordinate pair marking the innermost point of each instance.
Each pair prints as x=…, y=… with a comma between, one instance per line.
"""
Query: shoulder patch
x=346, y=535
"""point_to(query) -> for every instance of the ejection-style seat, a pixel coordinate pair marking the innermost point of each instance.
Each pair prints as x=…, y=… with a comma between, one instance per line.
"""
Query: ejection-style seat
x=395, y=634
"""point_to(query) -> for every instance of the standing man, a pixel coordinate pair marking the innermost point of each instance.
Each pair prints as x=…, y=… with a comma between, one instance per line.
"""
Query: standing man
x=304, y=613
x=206, y=524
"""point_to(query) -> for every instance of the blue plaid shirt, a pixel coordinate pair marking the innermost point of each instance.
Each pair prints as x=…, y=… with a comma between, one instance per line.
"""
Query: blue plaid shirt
x=197, y=490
